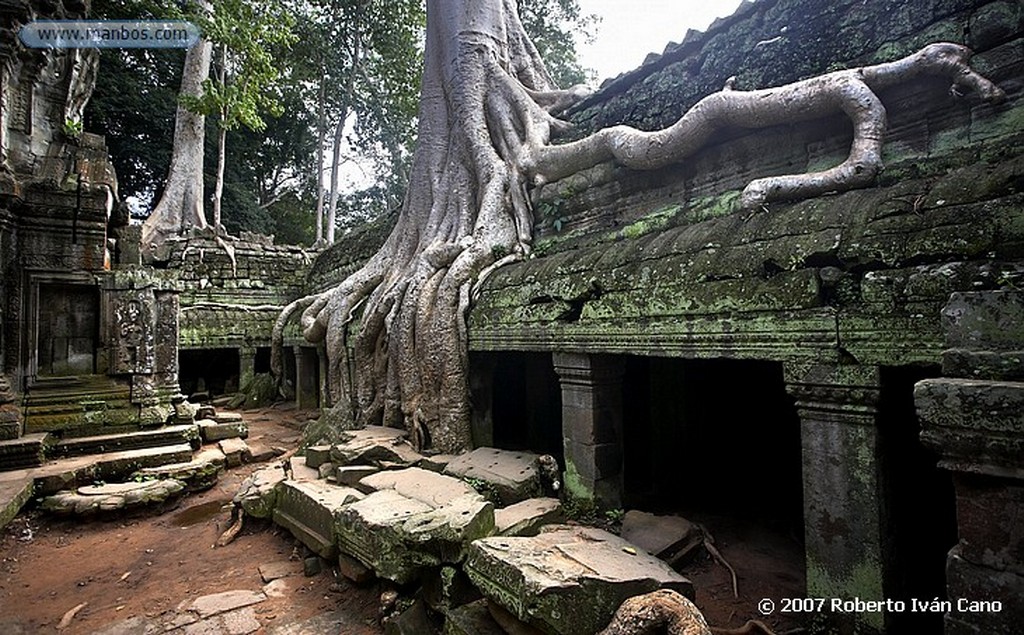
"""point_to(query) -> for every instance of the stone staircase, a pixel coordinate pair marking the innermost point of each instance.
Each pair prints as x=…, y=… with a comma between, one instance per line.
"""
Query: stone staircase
x=79, y=405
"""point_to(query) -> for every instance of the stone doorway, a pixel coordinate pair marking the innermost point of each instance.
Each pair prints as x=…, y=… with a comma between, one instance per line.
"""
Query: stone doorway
x=68, y=330
x=212, y=371
x=690, y=424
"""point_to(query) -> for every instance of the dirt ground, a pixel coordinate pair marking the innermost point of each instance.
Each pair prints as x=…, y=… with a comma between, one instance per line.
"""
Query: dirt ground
x=148, y=564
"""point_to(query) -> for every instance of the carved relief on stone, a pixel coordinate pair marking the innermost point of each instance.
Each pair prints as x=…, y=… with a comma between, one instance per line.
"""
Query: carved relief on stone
x=131, y=324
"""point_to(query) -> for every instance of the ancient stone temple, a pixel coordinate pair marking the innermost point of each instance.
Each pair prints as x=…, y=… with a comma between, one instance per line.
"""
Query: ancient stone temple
x=846, y=367
x=88, y=342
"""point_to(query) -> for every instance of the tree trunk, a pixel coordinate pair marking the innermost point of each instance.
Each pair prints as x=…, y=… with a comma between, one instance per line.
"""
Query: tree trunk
x=339, y=136
x=321, y=132
x=222, y=140
x=485, y=125
x=181, y=206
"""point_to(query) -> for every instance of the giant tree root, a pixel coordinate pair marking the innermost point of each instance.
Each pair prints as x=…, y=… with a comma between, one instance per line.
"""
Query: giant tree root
x=668, y=612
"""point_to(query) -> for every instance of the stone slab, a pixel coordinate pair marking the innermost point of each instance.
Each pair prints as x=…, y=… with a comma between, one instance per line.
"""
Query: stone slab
x=271, y=571
x=13, y=496
x=472, y=619
x=299, y=471
x=513, y=475
x=197, y=475
x=309, y=509
x=526, y=518
x=111, y=497
x=423, y=485
x=212, y=454
x=212, y=431
x=567, y=579
x=374, y=445
x=317, y=455
x=209, y=605
x=235, y=451
x=399, y=536
x=657, y=535
x=258, y=493
x=351, y=475
x=227, y=417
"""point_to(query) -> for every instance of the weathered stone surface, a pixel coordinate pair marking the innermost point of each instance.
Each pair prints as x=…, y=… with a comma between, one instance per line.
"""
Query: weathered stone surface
x=111, y=497
x=989, y=320
x=566, y=580
x=422, y=485
x=69, y=473
x=227, y=417
x=213, y=431
x=235, y=451
x=527, y=517
x=217, y=603
x=412, y=621
x=317, y=455
x=513, y=475
x=309, y=510
x=657, y=535
x=436, y=462
x=299, y=471
x=987, y=513
x=399, y=535
x=212, y=454
x=374, y=445
x=447, y=588
x=197, y=475
x=354, y=570
x=326, y=471
x=351, y=474
x=13, y=496
x=271, y=571
x=971, y=582
x=472, y=619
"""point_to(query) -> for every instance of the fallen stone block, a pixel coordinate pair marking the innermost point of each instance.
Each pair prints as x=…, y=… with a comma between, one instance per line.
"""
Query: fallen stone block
x=350, y=475
x=354, y=570
x=227, y=417
x=317, y=455
x=527, y=517
x=660, y=536
x=271, y=571
x=423, y=485
x=400, y=536
x=447, y=588
x=13, y=496
x=309, y=509
x=197, y=475
x=512, y=475
x=567, y=580
x=374, y=445
x=436, y=462
x=326, y=471
x=258, y=494
x=235, y=451
x=93, y=499
x=212, y=431
x=213, y=455
x=299, y=471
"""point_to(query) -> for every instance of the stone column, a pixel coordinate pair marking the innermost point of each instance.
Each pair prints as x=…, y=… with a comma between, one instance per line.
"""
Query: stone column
x=844, y=523
x=592, y=426
x=246, y=365
x=306, y=385
x=974, y=419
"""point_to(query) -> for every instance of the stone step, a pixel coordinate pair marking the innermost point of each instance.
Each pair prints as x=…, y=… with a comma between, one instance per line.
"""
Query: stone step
x=69, y=403
x=23, y=452
x=13, y=496
x=84, y=470
x=170, y=435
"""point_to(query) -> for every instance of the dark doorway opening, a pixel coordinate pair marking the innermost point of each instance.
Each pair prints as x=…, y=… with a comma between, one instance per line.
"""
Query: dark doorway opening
x=920, y=503
x=526, y=401
x=68, y=329
x=719, y=436
x=261, y=361
x=213, y=371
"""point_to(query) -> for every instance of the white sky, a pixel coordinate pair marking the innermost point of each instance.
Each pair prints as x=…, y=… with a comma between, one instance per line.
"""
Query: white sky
x=630, y=29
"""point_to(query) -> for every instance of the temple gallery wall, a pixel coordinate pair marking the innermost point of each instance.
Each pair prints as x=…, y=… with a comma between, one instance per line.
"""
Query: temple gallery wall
x=852, y=361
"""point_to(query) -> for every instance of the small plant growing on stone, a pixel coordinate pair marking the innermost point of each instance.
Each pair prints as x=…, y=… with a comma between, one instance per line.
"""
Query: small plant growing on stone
x=73, y=128
x=485, y=489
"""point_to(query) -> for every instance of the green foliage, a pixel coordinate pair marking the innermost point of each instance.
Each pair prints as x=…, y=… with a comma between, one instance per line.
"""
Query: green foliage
x=72, y=128
x=552, y=25
x=485, y=489
x=133, y=104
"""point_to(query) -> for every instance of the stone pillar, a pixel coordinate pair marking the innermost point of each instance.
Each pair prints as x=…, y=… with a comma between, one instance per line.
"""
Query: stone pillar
x=592, y=426
x=481, y=395
x=974, y=419
x=306, y=385
x=844, y=523
x=246, y=366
